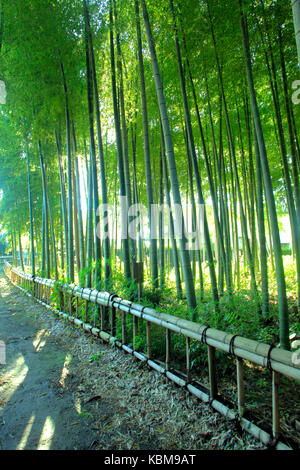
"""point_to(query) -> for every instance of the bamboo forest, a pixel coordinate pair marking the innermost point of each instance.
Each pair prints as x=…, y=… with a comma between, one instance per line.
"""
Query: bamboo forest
x=149, y=197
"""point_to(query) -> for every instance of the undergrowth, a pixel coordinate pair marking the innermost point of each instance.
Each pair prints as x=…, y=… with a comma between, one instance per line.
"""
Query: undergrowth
x=239, y=314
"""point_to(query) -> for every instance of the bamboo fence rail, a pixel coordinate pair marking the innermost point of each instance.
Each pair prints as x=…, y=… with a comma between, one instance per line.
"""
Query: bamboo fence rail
x=278, y=361
x=6, y=258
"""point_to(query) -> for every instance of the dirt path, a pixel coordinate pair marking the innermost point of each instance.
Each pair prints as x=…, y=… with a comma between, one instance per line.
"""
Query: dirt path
x=53, y=397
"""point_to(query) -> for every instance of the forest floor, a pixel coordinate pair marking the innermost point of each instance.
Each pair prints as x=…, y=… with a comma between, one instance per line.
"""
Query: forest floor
x=53, y=397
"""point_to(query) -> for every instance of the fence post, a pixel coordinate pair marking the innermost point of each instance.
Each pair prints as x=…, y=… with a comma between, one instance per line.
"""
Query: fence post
x=77, y=306
x=135, y=331
x=188, y=358
x=104, y=322
x=149, y=345
x=240, y=385
x=71, y=309
x=168, y=345
x=123, y=327
x=61, y=301
x=113, y=321
x=213, y=388
x=275, y=404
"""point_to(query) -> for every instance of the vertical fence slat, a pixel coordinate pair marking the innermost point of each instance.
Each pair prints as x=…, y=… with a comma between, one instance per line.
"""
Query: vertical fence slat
x=70, y=304
x=213, y=388
x=168, y=346
x=102, y=321
x=77, y=307
x=149, y=345
x=275, y=404
x=104, y=313
x=113, y=321
x=86, y=314
x=123, y=327
x=61, y=301
x=240, y=386
x=188, y=358
x=135, y=332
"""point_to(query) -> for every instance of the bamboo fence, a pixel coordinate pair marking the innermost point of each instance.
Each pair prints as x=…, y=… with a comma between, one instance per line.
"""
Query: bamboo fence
x=4, y=259
x=278, y=361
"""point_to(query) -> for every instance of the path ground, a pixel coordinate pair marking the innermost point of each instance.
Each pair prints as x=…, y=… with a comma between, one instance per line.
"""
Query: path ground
x=53, y=397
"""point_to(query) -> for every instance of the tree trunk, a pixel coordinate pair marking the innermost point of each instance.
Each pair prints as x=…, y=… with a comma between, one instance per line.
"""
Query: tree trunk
x=70, y=194
x=46, y=215
x=93, y=157
x=234, y=161
x=185, y=258
x=124, y=232
x=172, y=231
x=31, y=217
x=89, y=235
x=153, y=243
x=107, y=260
x=63, y=196
x=281, y=286
x=79, y=211
x=262, y=234
x=296, y=16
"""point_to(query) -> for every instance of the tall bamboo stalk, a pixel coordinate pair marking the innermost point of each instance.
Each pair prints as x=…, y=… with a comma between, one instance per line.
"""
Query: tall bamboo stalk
x=185, y=258
x=70, y=194
x=106, y=242
x=30, y=216
x=296, y=16
x=281, y=286
x=124, y=232
x=151, y=216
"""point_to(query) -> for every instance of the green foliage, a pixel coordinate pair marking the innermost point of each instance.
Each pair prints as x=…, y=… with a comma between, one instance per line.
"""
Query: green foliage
x=40, y=35
x=96, y=357
x=85, y=414
x=57, y=292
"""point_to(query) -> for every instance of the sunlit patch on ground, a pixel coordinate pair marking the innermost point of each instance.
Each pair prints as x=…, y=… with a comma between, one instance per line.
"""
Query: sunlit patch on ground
x=26, y=433
x=77, y=405
x=47, y=434
x=4, y=291
x=14, y=376
x=40, y=340
x=65, y=370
